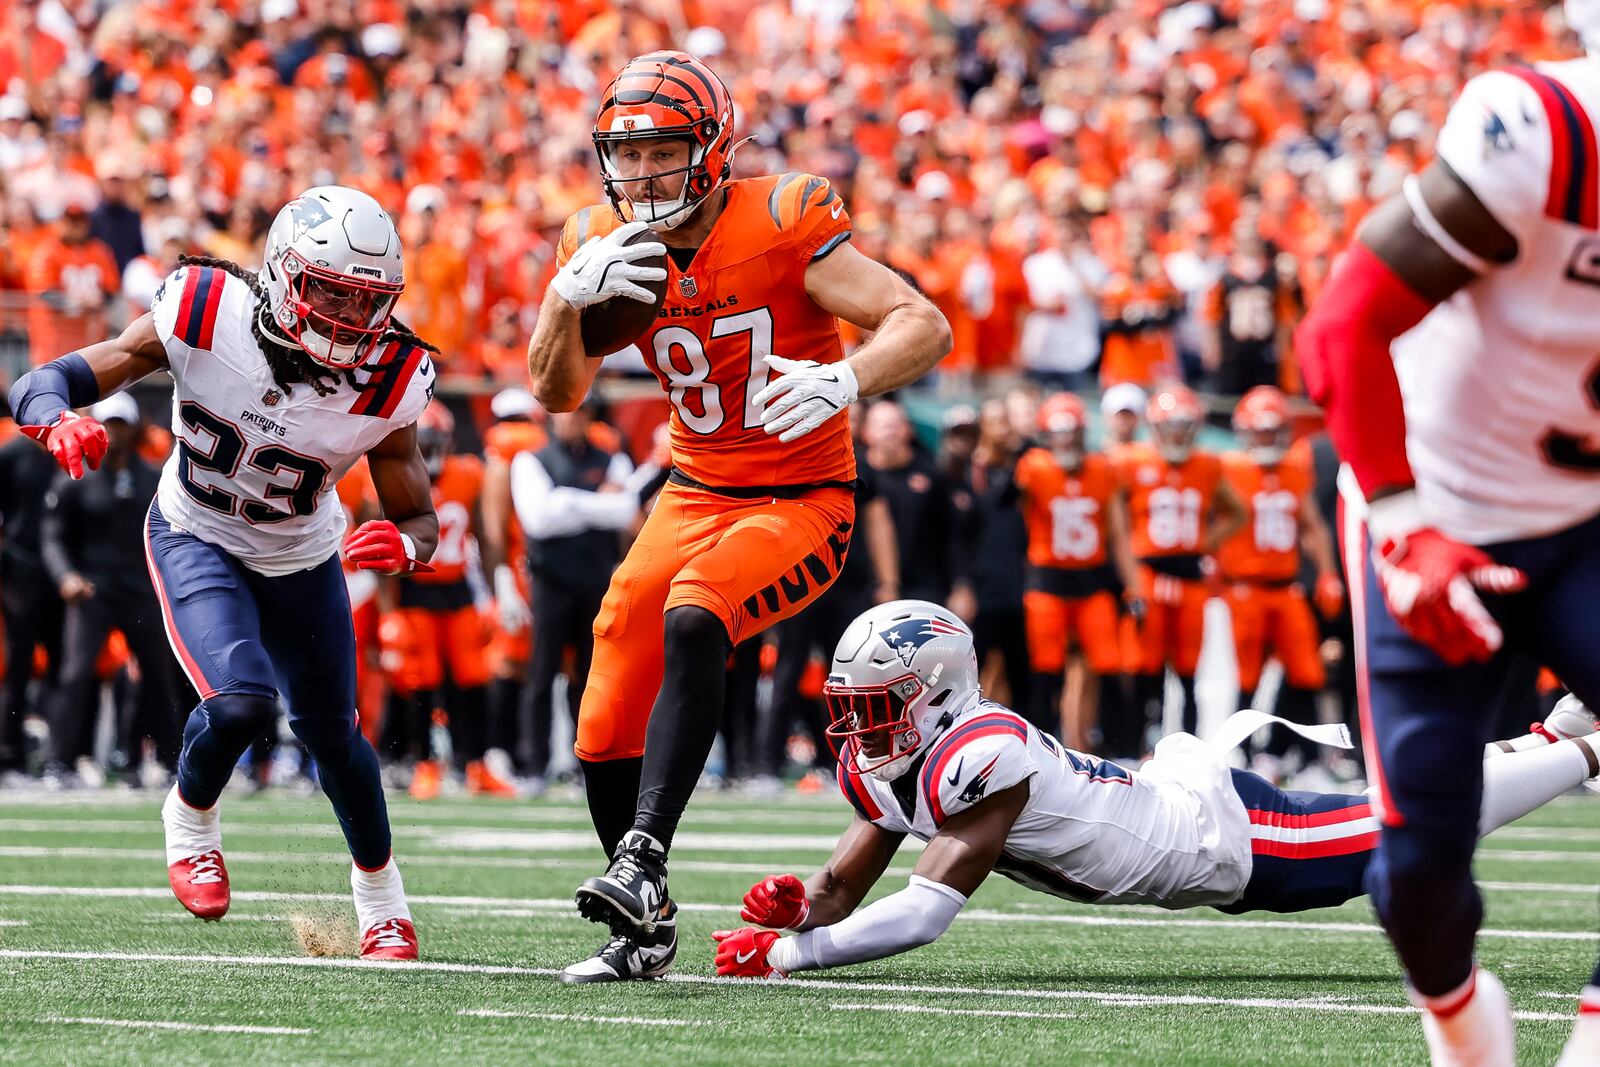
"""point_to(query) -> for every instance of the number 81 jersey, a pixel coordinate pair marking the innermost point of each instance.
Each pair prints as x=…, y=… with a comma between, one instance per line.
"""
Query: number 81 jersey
x=255, y=468
x=743, y=297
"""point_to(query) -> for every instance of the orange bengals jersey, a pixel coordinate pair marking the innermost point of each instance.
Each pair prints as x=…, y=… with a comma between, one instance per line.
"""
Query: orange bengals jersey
x=455, y=499
x=1267, y=548
x=743, y=298
x=1168, y=506
x=1065, y=512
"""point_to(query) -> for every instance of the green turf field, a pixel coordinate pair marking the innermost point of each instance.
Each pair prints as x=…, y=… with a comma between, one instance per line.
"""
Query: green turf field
x=94, y=953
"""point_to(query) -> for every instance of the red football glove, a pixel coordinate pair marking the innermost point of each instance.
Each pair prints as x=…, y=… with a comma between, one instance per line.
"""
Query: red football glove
x=777, y=902
x=378, y=545
x=1329, y=595
x=74, y=440
x=1431, y=582
x=742, y=953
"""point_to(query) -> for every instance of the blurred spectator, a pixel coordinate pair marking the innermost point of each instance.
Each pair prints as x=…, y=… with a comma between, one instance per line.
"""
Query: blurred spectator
x=995, y=540
x=1121, y=407
x=115, y=222
x=1139, y=310
x=921, y=502
x=572, y=500
x=958, y=441
x=1244, y=310
x=1061, y=334
x=29, y=599
x=76, y=277
x=93, y=546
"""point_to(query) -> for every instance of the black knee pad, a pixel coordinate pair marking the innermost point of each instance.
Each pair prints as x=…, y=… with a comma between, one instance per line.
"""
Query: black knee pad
x=240, y=716
x=691, y=627
x=326, y=736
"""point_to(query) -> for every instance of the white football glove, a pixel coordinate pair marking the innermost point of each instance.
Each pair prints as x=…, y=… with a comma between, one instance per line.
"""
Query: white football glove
x=604, y=267
x=512, y=609
x=808, y=395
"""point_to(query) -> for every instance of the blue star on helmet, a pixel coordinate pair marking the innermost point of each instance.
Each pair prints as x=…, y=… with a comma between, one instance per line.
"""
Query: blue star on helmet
x=308, y=213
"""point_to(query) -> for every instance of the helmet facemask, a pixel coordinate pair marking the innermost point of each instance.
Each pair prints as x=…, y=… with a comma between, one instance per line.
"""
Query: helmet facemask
x=1266, y=446
x=1175, y=437
x=335, y=318
x=698, y=182
x=871, y=728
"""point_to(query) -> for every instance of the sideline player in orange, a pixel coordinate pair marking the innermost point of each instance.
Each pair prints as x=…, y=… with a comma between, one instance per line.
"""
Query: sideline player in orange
x=1261, y=563
x=1181, y=512
x=756, y=518
x=1077, y=530
x=437, y=632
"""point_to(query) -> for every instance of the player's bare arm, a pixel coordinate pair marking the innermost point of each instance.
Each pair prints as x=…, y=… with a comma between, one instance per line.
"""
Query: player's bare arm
x=1410, y=246
x=1228, y=516
x=1118, y=529
x=858, y=861
x=909, y=335
x=404, y=491
x=560, y=372
x=42, y=400
x=885, y=551
x=963, y=853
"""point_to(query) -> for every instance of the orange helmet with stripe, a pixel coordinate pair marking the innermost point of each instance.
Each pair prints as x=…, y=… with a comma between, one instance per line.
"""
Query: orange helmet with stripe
x=1174, y=414
x=1262, y=422
x=1063, y=420
x=657, y=96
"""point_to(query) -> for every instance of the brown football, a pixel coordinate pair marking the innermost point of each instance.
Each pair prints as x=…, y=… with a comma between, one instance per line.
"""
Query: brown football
x=614, y=324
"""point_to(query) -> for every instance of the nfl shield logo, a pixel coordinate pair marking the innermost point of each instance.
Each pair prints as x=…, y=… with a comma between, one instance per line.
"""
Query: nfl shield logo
x=687, y=287
x=271, y=397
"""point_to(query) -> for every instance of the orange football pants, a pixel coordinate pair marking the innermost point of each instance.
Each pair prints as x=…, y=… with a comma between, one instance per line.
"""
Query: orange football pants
x=1279, y=618
x=1173, y=627
x=457, y=639
x=1054, y=622
x=750, y=563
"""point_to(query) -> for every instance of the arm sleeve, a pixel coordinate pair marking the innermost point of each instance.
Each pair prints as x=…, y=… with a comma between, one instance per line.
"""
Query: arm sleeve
x=543, y=509
x=1497, y=139
x=917, y=915
x=605, y=511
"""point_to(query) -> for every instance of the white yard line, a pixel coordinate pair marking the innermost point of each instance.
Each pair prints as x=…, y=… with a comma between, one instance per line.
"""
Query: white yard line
x=514, y=907
x=559, y=1017
x=1094, y=995
x=928, y=1009
x=152, y=1024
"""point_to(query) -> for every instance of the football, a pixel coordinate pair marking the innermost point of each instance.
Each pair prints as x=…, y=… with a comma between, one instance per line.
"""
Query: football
x=614, y=324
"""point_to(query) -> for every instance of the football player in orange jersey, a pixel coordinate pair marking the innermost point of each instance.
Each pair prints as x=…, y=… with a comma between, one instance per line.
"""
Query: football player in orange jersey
x=1181, y=512
x=1261, y=563
x=437, y=631
x=1077, y=532
x=757, y=516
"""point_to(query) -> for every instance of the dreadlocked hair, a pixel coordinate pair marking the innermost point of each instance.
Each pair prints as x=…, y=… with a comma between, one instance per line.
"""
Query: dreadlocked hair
x=289, y=367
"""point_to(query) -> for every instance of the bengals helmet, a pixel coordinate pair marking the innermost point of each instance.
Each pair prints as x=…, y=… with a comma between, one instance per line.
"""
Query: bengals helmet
x=435, y=435
x=1262, y=422
x=1063, y=420
x=658, y=95
x=1174, y=414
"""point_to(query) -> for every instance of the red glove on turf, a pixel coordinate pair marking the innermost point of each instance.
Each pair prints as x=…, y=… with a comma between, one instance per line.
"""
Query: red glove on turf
x=742, y=953
x=777, y=902
x=379, y=546
x=76, y=441
x=1431, y=582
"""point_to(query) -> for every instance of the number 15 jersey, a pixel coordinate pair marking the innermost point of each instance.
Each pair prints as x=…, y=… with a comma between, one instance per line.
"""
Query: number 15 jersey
x=743, y=297
x=254, y=469
x=1501, y=382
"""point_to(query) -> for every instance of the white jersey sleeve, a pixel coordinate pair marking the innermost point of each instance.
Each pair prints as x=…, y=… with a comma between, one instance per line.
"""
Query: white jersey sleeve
x=418, y=387
x=1497, y=140
x=194, y=307
x=983, y=756
x=872, y=800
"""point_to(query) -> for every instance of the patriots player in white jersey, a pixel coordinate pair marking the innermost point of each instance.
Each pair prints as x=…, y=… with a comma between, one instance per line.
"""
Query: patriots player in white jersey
x=282, y=382
x=1456, y=349
x=922, y=753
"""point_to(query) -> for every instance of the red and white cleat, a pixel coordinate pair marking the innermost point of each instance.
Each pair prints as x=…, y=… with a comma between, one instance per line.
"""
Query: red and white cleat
x=391, y=939
x=201, y=884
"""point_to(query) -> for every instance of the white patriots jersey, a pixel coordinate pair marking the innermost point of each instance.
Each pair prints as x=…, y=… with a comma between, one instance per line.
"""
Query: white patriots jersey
x=1502, y=381
x=1173, y=834
x=254, y=469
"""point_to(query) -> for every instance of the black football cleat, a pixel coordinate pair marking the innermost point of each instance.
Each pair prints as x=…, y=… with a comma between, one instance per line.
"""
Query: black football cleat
x=628, y=897
x=631, y=958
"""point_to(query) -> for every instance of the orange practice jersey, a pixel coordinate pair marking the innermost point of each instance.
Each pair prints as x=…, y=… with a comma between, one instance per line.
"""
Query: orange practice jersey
x=1267, y=548
x=504, y=440
x=455, y=498
x=743, y=298
x=1065, y=512
x=1168, y=505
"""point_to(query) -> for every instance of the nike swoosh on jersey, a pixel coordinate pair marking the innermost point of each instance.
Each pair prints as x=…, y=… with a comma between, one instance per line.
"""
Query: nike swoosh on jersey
x=955, y=779
x=744, y=957
x=836, y=209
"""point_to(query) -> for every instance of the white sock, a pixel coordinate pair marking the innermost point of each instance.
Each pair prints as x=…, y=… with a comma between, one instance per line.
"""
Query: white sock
x=379, y=895
x=1583, y=1047
x=1515, y=783
x=1522, y=743
x=190, y=831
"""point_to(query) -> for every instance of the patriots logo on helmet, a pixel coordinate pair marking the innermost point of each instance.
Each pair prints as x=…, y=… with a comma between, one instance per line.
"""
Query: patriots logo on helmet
x=909, y=635
x=308, y=214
